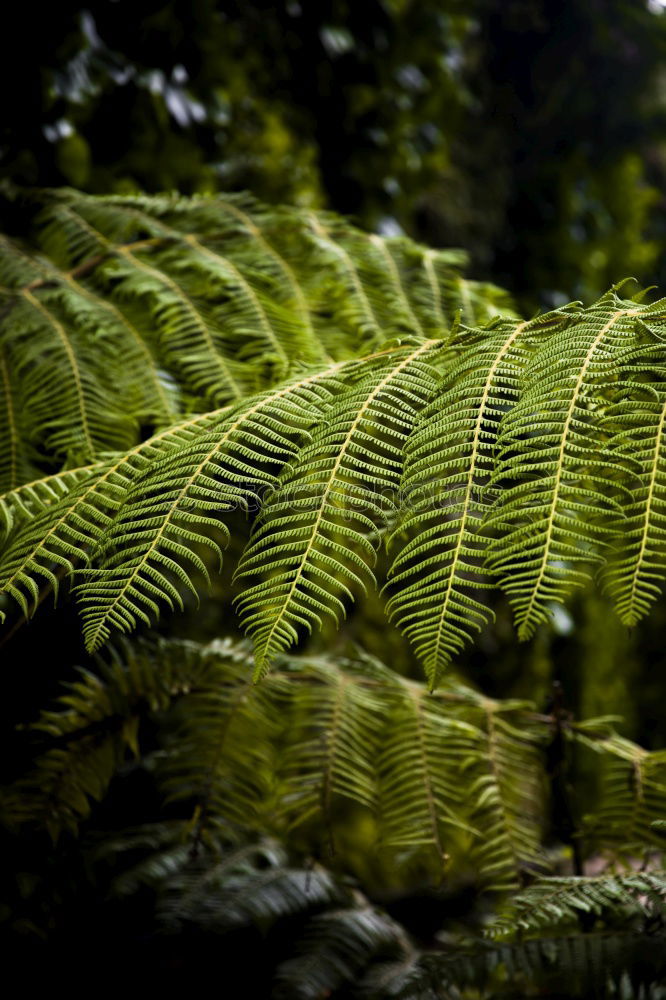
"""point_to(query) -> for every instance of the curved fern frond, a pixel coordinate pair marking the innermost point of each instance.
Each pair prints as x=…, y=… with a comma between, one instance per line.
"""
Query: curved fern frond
x=631, y=796
x=165, y=513
x=543, y=443
x=555, y=521
x=65, y=515
x=636, y=567
x=448, y=462
x=314, y=537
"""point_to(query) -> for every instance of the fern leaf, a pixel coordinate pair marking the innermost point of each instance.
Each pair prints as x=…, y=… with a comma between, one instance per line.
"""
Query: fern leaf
x=164, y=515
x=637, y=565
x=333, y=725
x=312, y=538
x=419, y=763
x=553, y=901
x=631, y=794
x=337, y=948
x=508, y=792
x=555, y=522
x=449, y=458
x=67, y=514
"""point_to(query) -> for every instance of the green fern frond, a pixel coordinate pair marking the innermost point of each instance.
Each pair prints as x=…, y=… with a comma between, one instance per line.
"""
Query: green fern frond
x=551, y=902
x=610, y=964
x=61, y=518
x=524, y=454
x=631, y=793
x=165, y=513
x=337, y=948
x=333, y=721
x=438, y=547
x=637, y=566
x=313, y=541
x=554, y=520
x=253, y=885
x=425, y=748
x=87, y=738
x=508, y=790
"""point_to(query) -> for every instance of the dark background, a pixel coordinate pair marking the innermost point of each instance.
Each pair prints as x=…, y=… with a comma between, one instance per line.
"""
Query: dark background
x=529, y=132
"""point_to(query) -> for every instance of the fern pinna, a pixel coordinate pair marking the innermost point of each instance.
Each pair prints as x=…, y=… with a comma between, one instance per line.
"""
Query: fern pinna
x=168, y=361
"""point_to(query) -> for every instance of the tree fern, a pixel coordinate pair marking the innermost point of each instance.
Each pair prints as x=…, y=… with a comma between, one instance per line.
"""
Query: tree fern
x=344, y=401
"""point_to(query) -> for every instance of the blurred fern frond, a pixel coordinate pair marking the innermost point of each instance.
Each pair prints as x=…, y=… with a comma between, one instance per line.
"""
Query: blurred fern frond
x=294, y=754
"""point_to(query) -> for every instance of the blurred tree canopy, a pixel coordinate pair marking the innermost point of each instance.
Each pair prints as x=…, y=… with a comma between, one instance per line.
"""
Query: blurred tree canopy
x=528, y=132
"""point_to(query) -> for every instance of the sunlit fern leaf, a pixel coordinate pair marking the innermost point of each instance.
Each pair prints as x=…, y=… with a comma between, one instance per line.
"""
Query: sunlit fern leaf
x=336, y=949
x=437, y=545
x=60, y=519
x=636, y=568
x=168, y=512
x=313, y=544
x=631, y=793
x=31, y=498
x=554, y=519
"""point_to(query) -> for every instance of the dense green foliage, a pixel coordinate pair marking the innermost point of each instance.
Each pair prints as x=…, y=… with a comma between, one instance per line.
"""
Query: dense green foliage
x=335, y=410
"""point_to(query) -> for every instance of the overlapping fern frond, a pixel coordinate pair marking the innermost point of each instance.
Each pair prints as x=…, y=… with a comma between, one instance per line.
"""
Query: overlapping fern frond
x=313, y=542
x=341, y=401
x=632, y=793
x=437, y=546
x=293, y=754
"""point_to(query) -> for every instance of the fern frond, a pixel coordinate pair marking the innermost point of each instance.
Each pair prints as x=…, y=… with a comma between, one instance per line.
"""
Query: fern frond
x=508, y=790
x=61, y=518
x=611, y=964
x=556, y=901
x=64, y=381
x=337, y=948
x=637, y=565
x=165, y=513
x=333, y=724
x=312, y=540
x=631, y=793
x=253, y=885
x=314, y=736
x=15, y=459
x=91, y=734
x=554, y=523
x=437, y=544
x=424, y=750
